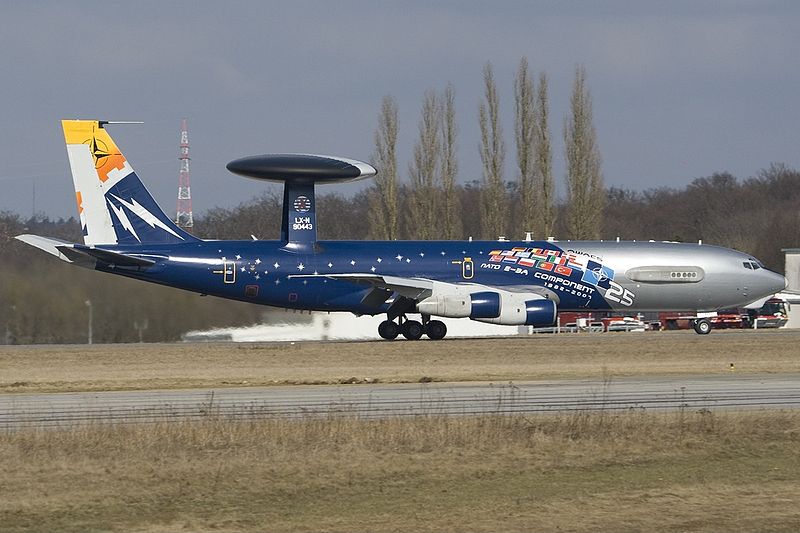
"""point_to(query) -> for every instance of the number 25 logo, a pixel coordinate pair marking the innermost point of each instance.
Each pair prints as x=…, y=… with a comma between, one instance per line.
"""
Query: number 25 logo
x=616, y=293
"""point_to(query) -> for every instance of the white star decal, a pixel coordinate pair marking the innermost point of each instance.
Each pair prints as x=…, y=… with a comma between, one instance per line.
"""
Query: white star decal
x=373, y=269
x=219, y=251
x=316, y=273
x=301, y=266
x=224, y=258
x=277, y=282
x=276, y=265
x=258, y=277
x=330, y=265
x=399, y=257
x=443, y=252
x=408, y=260
x=258, y=261
x=305, y=282
x=380, y=260
x=238, y=256
x=242, y=269
x=353, y=262
x=422, y=254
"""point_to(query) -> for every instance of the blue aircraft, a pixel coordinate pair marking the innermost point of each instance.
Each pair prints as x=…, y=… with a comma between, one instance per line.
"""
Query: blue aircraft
x=500, y=282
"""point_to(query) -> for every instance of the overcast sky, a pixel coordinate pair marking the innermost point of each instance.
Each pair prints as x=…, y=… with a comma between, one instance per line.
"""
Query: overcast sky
x=680, y=89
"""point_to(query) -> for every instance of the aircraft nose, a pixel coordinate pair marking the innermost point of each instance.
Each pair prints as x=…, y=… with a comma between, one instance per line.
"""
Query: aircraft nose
x=775, y=282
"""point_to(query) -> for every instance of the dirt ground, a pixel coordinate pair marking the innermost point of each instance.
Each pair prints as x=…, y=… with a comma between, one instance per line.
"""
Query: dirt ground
x=187, y=365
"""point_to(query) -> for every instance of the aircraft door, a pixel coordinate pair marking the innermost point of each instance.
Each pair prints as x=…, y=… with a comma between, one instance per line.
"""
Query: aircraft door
x=228, y=271
x=467, y=268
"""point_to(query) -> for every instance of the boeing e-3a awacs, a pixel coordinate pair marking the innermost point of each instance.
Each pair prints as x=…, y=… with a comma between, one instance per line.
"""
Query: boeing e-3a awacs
x=513, y=283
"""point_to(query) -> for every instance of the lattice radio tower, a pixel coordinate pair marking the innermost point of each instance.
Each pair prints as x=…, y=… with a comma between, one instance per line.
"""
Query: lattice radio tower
x=184, y=215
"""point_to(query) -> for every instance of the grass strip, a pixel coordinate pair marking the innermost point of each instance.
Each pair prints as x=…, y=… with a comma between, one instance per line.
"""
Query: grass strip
x=170, y=366
x=582, y=471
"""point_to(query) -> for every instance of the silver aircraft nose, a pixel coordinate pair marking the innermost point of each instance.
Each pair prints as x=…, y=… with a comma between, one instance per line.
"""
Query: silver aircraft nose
x=772, y=282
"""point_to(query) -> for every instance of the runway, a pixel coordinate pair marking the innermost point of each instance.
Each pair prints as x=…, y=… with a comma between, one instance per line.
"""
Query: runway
x=384, y=400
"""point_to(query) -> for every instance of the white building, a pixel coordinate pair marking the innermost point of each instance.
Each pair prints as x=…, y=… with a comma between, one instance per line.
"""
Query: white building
x=792, y=292
x=296, y=326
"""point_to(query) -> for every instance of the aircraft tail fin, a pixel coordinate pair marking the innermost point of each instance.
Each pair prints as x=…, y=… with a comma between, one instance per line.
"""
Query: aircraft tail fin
x=113, y=204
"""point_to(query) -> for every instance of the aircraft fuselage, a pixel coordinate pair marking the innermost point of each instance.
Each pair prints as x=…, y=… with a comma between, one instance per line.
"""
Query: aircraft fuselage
x=630, y=276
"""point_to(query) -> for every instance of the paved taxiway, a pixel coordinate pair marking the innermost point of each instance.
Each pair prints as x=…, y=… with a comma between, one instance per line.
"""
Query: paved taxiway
x=380, y=400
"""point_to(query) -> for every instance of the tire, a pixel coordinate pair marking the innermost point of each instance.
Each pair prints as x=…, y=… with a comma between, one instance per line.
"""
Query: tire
x=412, y=330
x=435, y=330
x=388, y=330
x=702, y=326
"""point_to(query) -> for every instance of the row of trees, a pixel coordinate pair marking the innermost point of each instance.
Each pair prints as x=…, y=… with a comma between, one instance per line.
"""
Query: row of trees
x=432, y=211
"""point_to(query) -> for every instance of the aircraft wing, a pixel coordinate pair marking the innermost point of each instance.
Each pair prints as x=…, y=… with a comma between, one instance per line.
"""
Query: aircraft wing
x=421, y=288
x=415, y=288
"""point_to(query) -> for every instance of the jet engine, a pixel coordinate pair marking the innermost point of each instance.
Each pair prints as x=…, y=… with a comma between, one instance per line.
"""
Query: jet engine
x=494, y=307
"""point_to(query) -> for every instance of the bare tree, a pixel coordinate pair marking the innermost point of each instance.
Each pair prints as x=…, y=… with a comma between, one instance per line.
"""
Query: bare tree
x=545, y=215
x=423, y=170
x=524, y=130
x=585, y=194
x=492, y=149
x=449, y=165
x=383, y=205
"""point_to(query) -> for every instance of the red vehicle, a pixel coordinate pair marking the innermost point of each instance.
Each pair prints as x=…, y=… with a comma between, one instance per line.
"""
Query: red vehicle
x=773, y=314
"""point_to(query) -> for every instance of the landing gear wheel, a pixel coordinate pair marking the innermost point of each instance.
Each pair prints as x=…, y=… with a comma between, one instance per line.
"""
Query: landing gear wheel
x=702, y=326
x=435, y=330
x=388, y=330
x=412, y=330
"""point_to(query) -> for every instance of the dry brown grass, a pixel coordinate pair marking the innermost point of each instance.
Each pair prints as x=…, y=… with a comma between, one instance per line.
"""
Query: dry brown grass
x=570, y=472
x=145, y=366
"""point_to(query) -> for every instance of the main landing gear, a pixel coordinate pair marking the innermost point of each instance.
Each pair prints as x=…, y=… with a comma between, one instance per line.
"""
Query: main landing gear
x=412, y=330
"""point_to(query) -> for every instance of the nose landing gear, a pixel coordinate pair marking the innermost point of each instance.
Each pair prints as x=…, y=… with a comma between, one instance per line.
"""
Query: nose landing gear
x=412, y=329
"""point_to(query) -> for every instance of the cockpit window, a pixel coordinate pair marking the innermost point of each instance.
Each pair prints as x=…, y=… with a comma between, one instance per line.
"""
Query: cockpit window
x=747, y=265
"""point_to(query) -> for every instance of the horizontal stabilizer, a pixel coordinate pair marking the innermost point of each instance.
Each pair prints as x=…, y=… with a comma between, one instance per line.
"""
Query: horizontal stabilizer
x=106, y=256
x=83, y=255
x=48, y=244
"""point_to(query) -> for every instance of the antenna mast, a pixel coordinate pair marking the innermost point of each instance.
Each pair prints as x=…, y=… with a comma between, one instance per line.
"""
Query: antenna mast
x=184, y=215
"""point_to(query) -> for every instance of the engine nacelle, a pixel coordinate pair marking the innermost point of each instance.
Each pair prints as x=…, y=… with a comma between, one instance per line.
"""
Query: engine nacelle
x=494, y=307
x=487, y=304
x=521, y=310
